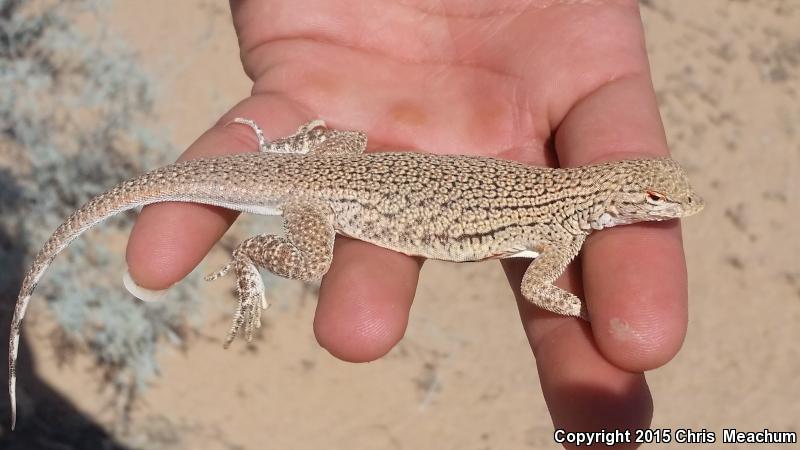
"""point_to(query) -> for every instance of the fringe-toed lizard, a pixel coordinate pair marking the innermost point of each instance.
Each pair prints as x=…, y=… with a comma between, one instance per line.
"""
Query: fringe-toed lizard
x=453, y=208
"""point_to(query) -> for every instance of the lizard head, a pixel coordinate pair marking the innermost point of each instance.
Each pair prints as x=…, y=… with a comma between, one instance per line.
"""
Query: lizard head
x=650, y=189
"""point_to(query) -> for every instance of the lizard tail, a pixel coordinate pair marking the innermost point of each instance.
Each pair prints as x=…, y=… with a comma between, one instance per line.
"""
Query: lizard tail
x=151, y=187
x=118, y=199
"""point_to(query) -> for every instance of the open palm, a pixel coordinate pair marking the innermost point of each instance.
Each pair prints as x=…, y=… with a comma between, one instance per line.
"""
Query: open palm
x=544, y=82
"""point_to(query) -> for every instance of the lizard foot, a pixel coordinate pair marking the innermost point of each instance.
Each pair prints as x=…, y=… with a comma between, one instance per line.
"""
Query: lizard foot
x=252, y=297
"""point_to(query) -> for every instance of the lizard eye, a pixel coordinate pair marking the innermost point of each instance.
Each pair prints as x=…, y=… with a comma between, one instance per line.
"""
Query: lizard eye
x=655, y=198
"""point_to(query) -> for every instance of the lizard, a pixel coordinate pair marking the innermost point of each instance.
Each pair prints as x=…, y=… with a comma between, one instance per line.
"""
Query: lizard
x=448, y=207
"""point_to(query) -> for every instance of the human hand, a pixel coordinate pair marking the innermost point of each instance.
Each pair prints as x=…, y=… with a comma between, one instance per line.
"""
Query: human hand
x=542, y=82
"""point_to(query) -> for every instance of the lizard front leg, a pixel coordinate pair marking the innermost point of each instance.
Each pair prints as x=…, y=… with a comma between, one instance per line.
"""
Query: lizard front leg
x=537, y=283
x=312, y=137
x=304, y=253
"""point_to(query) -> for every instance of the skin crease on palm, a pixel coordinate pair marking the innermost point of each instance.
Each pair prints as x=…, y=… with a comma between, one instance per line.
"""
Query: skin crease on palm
x=544, y=82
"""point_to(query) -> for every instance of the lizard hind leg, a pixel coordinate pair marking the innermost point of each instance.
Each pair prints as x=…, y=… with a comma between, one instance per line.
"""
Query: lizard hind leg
x=304, y=253
x=537, y=283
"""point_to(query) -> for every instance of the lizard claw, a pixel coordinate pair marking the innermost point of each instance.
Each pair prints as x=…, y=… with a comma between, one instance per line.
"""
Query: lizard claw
x=219, y=273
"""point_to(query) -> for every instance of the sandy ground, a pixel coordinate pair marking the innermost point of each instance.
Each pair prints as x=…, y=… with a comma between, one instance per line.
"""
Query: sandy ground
x=727, y=74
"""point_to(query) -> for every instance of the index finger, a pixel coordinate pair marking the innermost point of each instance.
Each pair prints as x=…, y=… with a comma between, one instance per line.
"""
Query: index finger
x=634, y=275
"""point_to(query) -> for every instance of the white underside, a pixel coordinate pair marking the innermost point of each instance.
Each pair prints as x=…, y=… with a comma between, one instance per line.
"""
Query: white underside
x=264, y=210
x=524, y=254
x=606, y=220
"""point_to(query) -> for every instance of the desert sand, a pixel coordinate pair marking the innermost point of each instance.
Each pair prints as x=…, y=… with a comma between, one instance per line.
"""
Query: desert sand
x=728, y=78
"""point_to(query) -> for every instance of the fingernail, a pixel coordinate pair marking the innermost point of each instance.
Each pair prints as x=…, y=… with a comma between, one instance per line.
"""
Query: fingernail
x=143, y=294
